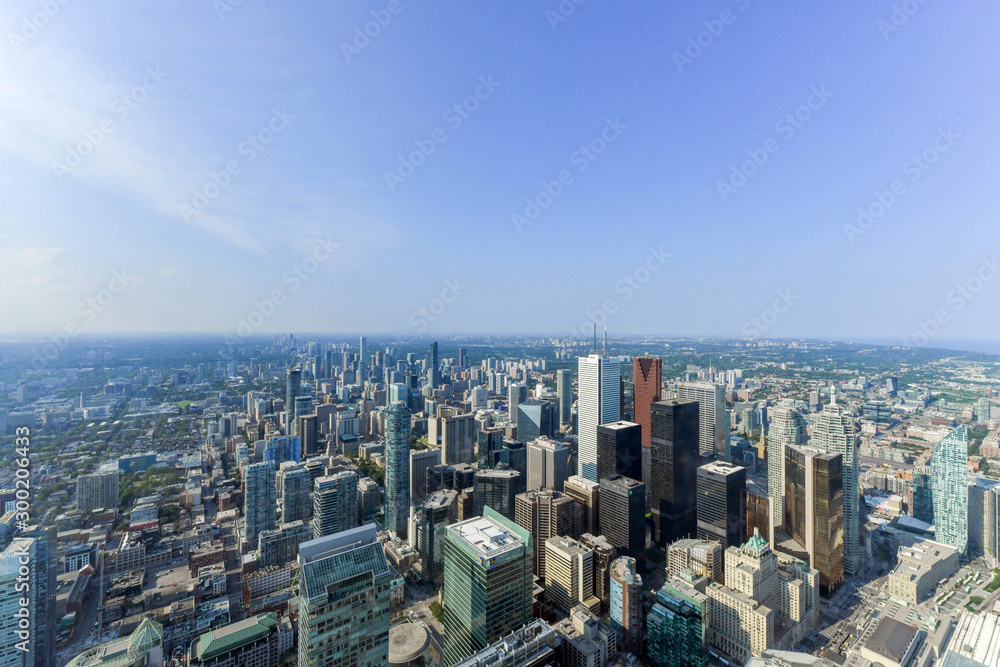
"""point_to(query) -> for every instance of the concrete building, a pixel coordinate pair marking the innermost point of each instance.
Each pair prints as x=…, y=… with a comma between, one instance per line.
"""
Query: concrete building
x=260, y=499
x=420, y=461
x=787, y=427
x=704, y=557
x=586, y=493
x=548, y=464
x=713, y=436
x=537, y=644
x=626, y=604
x=569, y=574
x=586, y=641
x=623, y=516
x=429, y=521
x=545, y=514
x=598, y=402
x=604, y=555
x=564, y=390
x=295, y=486
x=254, y=642
x=98, y=490
x=335, y=503
x=922, y=565
x=454, y=432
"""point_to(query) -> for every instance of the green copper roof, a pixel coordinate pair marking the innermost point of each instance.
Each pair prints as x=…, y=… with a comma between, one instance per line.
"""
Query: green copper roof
x=756, y=543
x=225, y=639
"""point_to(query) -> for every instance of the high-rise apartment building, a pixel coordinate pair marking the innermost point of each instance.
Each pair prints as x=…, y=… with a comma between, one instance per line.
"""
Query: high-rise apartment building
x=586, y=493
x=814, y=510
x=335, y=503
x=98, y=490
x=949, y=469
x=564, y=390
x=433, y=367
x=619, y=449
x=923, y=495
x=713, y=437
x=673, y=470
x=293, y=384
x=545, y=514
x=623, y=516
x=598, y=402
x=626, y=604
x=260, y=500
x=834, y=432
x=294, y=488
x=569, y=574
x=488, y=573
x=21, y=643
x=722, y=503
x=420, y=461
x=548, y=464
x=787, y=427
x=397, y=468
x=344, y=600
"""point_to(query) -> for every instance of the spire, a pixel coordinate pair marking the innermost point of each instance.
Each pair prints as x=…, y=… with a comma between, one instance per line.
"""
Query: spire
x=595, y=338
x=605, y=341
x=833, y=394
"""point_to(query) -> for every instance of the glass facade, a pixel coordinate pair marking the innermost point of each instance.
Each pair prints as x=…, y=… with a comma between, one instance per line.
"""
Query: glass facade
x=828, y=519
x=923, y=496
x=673, y=469
x=397, y=467
x=677, y=628
x=949, y=472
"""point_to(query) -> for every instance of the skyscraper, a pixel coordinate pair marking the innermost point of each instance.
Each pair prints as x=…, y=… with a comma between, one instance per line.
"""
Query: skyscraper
x=98, y=490
x=295, y=485
x=626, y=604
x=619, y=450
x=712, y=435
x=344, y=600
x=496, y=489
x=677, y=626
x=433, y=369
x=923, y=496
x=722, y=503
x=548, y=464
x=623, y=516
x=949, y=469
x=487, y=583
x=20, y=580
x=814, y=510
x=429, y=522
x=647, y=379
x=569, y=574
x=260, y=499
x=293, y=383
x=787, y=427
x=564, y=390
x=598, y=403
x=673, y=470
x=834, y=432
x=397, y=468
x=586, y=493
x=545, y=514
x=362, y=361
x=335, y=503
x=516, y=393
x=536, y=418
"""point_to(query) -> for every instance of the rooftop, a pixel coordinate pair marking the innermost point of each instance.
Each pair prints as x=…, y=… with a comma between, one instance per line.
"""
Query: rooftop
x=407, y=642
x=229, y=637
x=486, y=536
x=891, y=639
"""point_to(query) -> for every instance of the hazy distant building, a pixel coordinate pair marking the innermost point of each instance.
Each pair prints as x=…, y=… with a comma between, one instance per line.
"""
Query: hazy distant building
x=293, y=383
x=516, y=393
x=564, y=390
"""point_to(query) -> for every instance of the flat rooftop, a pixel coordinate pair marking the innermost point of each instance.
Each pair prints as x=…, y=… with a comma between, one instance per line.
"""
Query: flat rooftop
x=616, y=426
x=486, y=536
x=891, y=639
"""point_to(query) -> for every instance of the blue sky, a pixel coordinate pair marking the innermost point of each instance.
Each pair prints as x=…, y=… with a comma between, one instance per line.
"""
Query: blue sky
x=336, y=119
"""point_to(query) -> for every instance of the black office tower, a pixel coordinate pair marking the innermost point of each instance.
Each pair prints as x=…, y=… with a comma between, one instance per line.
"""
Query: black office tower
x=722, y=503
x=622, y=516
x=433, y=369
x=673, y=469
x=619, y=450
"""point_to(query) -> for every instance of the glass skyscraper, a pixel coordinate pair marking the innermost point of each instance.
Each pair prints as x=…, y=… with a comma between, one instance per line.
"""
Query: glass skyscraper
x=536, y=418
x=949, y=470
x=787, y=427
x=834, y=432
x=677, y=626
x=598, y=402
x=397, y=468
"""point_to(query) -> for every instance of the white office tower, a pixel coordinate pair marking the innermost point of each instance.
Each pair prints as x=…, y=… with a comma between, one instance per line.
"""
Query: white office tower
x=598, y=402
x=834, y=432
x=548, y=464
x=712, y=432
x=787, y=427
x=478, y=397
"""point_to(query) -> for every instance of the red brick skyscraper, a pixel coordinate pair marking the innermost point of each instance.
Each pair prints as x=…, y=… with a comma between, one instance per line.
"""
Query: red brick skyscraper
x=646, y=376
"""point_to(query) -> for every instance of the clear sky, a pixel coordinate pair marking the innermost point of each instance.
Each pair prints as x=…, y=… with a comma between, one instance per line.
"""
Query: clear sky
x=115, y=115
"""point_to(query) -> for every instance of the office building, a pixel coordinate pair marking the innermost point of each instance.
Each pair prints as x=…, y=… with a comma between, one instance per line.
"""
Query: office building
x=626, y=604
x=623, y=516
x=949, y=469
x=569, y=574
x=430, y=520
x=922, y=565
x=344, y=578
x=496, y=489
x=834, y=432
x=673, y=470
x=308, y=432
x=488, y=441
x=294, y=488
x=420, y=461
x=814, y=510
x=923, y=496
x=97, y=491
x=454, y=432
x=433, y=368
x=517, y=392
x=677, y=625
x=703, y=557
x=397, y=468
x=536, y=418
x=293, y=385
x=619, y=450
x=564, y=390
x=537, y=644
x=647, y=387
x=545, y=514
x=548, y=464
x=586, y=493
x=252, y=642
x=586, y=641
x=787, y=427
x=713, y=436
x=362, y=361
x=488, y=573
x=335, y=503
x=759, y=512
x=598, y=402
x=369, y=498
x=260, y=500
x=142, y=648
x=722, y=503
x=604, y=555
